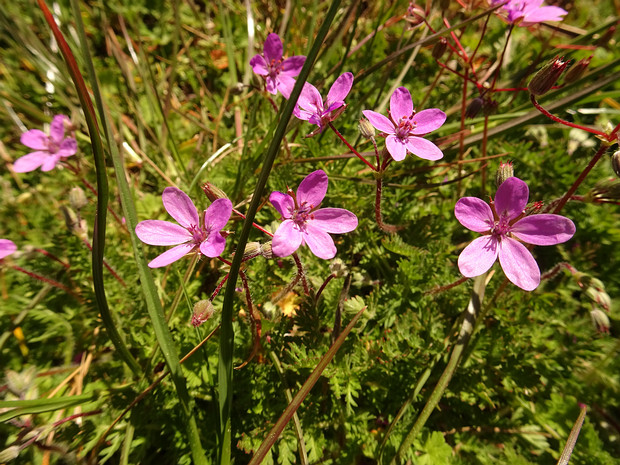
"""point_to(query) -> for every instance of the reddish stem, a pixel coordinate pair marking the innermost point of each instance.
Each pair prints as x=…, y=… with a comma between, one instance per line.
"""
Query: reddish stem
x=351, y=148
x=323, y=286
x=301, y=273
x=53, y=257
x=49, y=281
x=260, y=228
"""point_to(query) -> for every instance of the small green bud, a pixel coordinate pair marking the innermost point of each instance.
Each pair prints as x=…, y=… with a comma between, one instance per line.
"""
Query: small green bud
x=546, y=78
x=77, y=198
x=577, y=70
x=338, y=268
x=440, y=48
x=505, y=171
x=203, y=310
x=366, y=129
x=600, y=320
x=266, y=250
x=252, y=249
x=212, y=192
x=9, y=454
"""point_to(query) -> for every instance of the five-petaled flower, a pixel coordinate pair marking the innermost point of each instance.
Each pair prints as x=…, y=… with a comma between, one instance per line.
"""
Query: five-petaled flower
x=527, y=12
x=49, y=149
x=7, y=247
x=504, y=226
x=192, y=234
x=405, y=128
x=304, y=223
x=311, y=107
x=278, y=73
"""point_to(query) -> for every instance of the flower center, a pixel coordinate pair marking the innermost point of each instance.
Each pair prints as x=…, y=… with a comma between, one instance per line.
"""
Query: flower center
x=275, y=67
x=501, y=228
x=52, y=147
x=198, y=233
x=405, y=126
x=302, y=214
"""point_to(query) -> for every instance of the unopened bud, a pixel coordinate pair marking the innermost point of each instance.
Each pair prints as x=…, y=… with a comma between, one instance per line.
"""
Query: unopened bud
x=338, y=268
x=212, y=192
x=237, y=89
x=77, y=198
x=440, y=48
x=203, y=310
x=474, y=108
x=252, y=249
x=546, y=78
x=489, y=106
x=595, y=290
x=415, y=14
x=505, y=171
x=577, y=70
x=600, y=320
x=266, y=250
x=605, y=190
x=615, y=162
x=9, y=454
x=606, y=38
x=366, y=129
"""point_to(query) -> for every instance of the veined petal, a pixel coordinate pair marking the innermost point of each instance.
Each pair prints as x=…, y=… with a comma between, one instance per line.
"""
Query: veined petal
x=159, y=232
x=286, y=240
x=310, y=99
x=180, y=207
x=321, y=244
x=30, y=162
x=474, y=213
x=273, y=47
x=334, y=220
x=284, y=203
x=478, y=256
x=545, y=13
x=428, y=120
x=259, y=65
x=35, y=139
x=171, y=255
x=214, y=245
x=423, y=148
x=519, y=264
x=67, y=148
x=7, y=247
x=217, y=215
x=382, y=123
x=396, y=147
x=272, y=85
x=50, y=162
x=57, y=128
x=292, y=65
x=401, y=105
x=340, y=89
x=545, y=229
x=312, y=189
x=511, y=198
x=285, y=85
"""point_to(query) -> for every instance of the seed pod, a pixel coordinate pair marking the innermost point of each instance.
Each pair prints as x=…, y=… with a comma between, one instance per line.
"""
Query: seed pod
x=203, y=310
x=266, y=250
x=504, y=172
x=366, y=129
x=252, y=249
x=212, y=192
x=415, y=14
x=77, y=198
x=440, y=48
x=546, y=78
x=600, y=320
x=577, y=70
x=474, y=108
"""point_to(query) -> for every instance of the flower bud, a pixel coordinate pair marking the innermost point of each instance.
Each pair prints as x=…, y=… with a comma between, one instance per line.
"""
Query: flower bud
x=9, y=454
x=605, y=190
x=212, y=192
x=252, y=249
x=237, y=89
x=415, y=14
x=504, y=172
x=604, y=40
x=474, y=108
x=366, y=129
x=338, y=268
x=615, y=162
x=600, y=320
x=203, y=310
x=77, y=198
x=440, y=48
x=546, y=78
x=577, y=70
x=489, y=106
x=266, y=250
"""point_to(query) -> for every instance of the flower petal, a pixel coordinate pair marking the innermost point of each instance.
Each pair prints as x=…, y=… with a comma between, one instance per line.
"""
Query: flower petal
x=171, y=255
x=284, y=203
x=273, y=47
x=312, y=189
x=474, y=213
x=7, y=247
x=310, y=99
x=180, y=207
x=545, y=229
x=217, y=215
x=159, y=232
x=57, y=128
x=478, y=256
x=396, y=147
x=428, y=120
x=545, y=13
x=519, y=264
x=259, y=65
x=321, y=244
x=334, y=220
x=423, y=148
x=67, y=148
x=50, y=162
x=401, y=105
x=340, y=89
x=272, y=85
x=214, y=245
x=511, y=198
x=292, y=65
x=35, y=139
x=382, y=123
x=30, y=162
x=286, y=240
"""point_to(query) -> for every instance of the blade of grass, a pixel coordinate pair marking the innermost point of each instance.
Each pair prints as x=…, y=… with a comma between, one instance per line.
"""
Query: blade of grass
x=572, y=439
x=227, y=337
x=30, y=407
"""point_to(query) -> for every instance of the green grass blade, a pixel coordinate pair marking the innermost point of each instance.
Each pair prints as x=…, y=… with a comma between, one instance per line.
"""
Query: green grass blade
x=30, y=407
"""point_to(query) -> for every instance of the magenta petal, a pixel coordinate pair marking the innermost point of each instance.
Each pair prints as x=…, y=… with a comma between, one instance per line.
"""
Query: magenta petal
x=310, y=99
x=545, y=13
x=57, y=128
x=285, y=85
x=284, y=203
x=382, y=123
x=180, y=207
x=35, y=139
x=67, y=148
x=424, y=148
x=396, y=147
x=259, y=65
x=428, y=120
x=334, y=220
x=340, y=89
x=401, y=105
x=171, y=255
x=518, y=264
x=214, y=245
x=30, y=162
x=158, y=232
x=321, y=244
x=292, y=66
x=474, y=213
x=272, y=85
x=312, y=189
x=7, y=247
x=545, y=229
x=478, y=256
x=273, y=47
x=217, y=215
x=286, y=240
x=50, y=162
x=511, y=198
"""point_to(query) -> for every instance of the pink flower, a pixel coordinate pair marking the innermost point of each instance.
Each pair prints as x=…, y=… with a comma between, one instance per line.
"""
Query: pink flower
x=527, y=12
x=279, y=73
x=504, y=226
x=7, y=247
x=304, y=223
x=311, y=107
x=405, y=127
x=191, y=234
x=49, y=149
